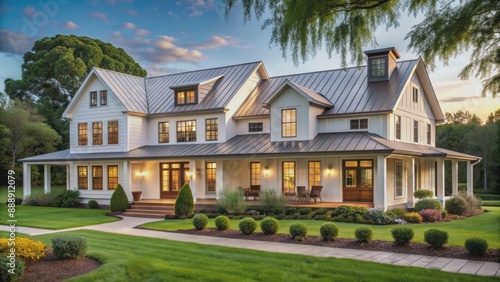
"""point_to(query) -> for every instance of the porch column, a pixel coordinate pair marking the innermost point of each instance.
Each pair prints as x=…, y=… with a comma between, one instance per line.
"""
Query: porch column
x=26, y=180
x=67, y=177
x=46, y=178
x=193, y=180
x=440, y=180
x=411, y=184
x=379, y=200
x=470, y=180
x=127, y=179
x=454, y=177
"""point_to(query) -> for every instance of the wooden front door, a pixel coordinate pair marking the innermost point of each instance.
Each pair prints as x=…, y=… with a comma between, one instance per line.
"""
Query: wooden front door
x=358, y=180
x=172, y=177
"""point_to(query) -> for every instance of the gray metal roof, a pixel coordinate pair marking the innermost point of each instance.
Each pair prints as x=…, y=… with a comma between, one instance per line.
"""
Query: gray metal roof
x=347, y=89
x=261, y=145
x=310, y=95
x=129, y=89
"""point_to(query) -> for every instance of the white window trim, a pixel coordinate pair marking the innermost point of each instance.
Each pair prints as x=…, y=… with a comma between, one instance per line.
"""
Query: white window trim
x=402, y=196
x=359, y=124
x=414, y=86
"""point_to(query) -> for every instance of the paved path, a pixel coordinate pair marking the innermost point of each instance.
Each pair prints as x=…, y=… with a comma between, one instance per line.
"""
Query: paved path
x=126, y=226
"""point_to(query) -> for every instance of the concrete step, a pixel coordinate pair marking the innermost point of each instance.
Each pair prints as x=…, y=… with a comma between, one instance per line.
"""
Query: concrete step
x=143, y=207
x=146, y=215
x=149, y=211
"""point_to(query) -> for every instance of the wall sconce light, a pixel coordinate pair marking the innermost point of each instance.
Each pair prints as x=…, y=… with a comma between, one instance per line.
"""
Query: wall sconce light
x=197, y=171
x=140, y=173
x=189, y=174
x=266, y=171
x=329, y=171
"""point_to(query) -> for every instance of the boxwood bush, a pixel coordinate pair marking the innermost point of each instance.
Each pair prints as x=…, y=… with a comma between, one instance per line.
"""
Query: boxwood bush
x=298, y=231
x=329, y=231
x=119, y=200
x=222, y=222
x=476, y=246
x=423, y=194
x=364, y=234
x=269, y=225
x=66, y=199
x=64, y=247
x=184, y=205
x=428, y=204
x=402, y=235
x=247, y=225
x=5, y=267
x=435, y=237
x=200, y=221
x=456, y=205
x=92, y=204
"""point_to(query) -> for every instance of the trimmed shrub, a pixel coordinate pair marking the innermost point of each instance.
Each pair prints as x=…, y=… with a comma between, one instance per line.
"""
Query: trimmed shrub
x=69, y=247
x=476, y=246
x=398, y=212
x=428, y=204
x=66, y=199
x=119, y=200
x=402, y=235
x=269, y=225
x=378, y=217
x=272, y=202
x=40, y=199
x=184, y=205
x=321, y=211
x=430, y=215
x=231, y=201
x=329, y=231
x=305, y=211
x=247, y=225
x=364, y=234
x=298, y=231
x=92, y=204
x=290, y=211
x=200, y=221
x=435, y=237
x=413, y=217
x=423, y=194
x=349, y=214
x=222, y=222
x=5, y=275
x=456, y=205
x=26, y=249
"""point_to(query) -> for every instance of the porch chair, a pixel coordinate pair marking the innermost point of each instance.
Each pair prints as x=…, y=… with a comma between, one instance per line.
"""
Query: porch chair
x=253, y=192
x=301, y=194
x=315, y=193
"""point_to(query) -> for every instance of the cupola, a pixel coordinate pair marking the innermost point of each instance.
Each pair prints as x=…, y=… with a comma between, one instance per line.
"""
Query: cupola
x=381, y=63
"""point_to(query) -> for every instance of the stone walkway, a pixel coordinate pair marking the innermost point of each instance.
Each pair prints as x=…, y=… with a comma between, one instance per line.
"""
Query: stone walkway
x=126, y=226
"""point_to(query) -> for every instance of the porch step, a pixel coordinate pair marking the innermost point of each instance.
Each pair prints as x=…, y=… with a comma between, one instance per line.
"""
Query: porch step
x=146, y=211
x=146, y=215
x=149, y=210
x=151, y=207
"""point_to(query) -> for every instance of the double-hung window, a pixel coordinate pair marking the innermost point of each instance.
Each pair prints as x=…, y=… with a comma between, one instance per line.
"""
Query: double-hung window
x=186, y=131
x=289, y=123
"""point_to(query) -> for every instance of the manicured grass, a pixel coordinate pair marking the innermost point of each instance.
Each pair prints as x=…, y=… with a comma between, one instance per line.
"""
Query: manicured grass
x=491, y=203
x=55, y=218
x=485, y=226
x=19, y=191
x=131, y=258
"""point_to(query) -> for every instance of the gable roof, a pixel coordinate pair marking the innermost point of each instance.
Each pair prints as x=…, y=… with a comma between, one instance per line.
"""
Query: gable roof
x=311, y=96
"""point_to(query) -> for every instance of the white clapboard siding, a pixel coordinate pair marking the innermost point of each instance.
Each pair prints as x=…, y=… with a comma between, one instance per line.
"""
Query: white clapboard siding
x=377, y=124
x=137, y=131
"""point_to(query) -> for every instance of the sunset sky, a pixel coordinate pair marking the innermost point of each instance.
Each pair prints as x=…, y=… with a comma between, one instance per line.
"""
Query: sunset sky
x=171, y=36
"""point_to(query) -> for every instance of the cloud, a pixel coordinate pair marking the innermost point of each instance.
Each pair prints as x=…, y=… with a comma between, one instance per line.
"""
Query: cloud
x=15, y=43
x=157, y=70
x=459, y=99
x=100, y=16
x=215, y=42
x=113, y=2
x=69, y=25
x=129, y=26
x=198, y=7
x=29, y=11
x=142, y=32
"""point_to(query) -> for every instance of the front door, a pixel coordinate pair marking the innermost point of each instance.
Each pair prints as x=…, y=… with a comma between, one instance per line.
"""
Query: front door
x=358, y=180
x=172, y=177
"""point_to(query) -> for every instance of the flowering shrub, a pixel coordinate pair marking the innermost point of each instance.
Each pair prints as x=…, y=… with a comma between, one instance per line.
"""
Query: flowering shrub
x=413, y=217
x=26, y=249
x=431, y=215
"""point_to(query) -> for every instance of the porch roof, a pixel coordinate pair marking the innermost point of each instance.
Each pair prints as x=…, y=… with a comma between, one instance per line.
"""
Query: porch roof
x=261, y=145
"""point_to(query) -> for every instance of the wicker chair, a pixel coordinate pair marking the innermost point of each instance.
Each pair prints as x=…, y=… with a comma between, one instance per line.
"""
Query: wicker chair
x=315, y=193
x=301, y=194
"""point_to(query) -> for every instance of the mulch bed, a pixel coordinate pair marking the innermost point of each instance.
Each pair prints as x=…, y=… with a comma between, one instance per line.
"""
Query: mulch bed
x=50, y=269
x=376, y=245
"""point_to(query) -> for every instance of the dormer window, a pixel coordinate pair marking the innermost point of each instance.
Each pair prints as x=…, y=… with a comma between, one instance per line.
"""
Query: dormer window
x=381, y=63
x=93, y=99
x=378, y=68
x=104, y=98
x=186, y=97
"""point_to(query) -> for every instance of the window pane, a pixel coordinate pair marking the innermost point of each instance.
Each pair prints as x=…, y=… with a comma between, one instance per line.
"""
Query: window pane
x=113, y=132
x=366, y=163
x=255, y=127
x=398, y=127
x=366, y=178
x=351, y=163
x=314, y=174
x=363, y=123
x=163, y=132
x=93, y=99
x=97, y=177
x=212, y=129
x=211, y=176
x=181, y=98
x=415, y=131
x=82, y=134
x=104, y=98
x=97, y=133
x=254, y=173
x=354, y=123
x=112, y=177
x=288, y=123
x=186, y=131
x=398, y=179
x=350, y=178
x=83, y=181
x=288, y=177
x=377, y=67
x=190, y=97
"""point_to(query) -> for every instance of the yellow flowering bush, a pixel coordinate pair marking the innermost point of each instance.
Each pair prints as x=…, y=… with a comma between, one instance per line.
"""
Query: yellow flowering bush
x=26, y=249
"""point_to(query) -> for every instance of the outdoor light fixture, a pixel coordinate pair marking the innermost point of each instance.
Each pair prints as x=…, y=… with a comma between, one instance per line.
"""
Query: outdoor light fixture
x=140, y=174
x=189, y=174
x=197, y=170
x=266, y=171
x=329, y=170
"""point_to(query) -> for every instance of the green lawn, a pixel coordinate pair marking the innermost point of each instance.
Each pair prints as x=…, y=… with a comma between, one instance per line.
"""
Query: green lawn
x=130, y=258
x=19, y=191
x=486, y=226
x=55, y=218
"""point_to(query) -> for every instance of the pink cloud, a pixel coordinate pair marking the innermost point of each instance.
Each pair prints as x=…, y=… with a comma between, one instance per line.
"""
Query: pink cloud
x=29, y=11
x=69, y=25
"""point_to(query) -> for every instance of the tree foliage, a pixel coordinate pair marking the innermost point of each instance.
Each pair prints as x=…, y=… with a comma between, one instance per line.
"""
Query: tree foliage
x=55, y=68
x=345, y=26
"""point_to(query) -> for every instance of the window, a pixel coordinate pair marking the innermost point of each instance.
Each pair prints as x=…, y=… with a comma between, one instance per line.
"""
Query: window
x=288, y=177
x=415, y=131
x=255, y=127
x=378, y=67
x=359, y=124
x=212, y=129
x=163, y=132
x=398, y=128
x=416, y=175
x=112, y=177
x=83, y=180
x=254, y=173
x=186, y=131
x=104, y=98
x=211, y=175
x=429, y=130
x=314, y=173
x=398, y=179
x=289, y=123
x=358, y=174
x=415, y=94
x=82, y=134
x=97, y=133
x=185, y=97
x=97, y=177
x=113, y=132
x=93, y=99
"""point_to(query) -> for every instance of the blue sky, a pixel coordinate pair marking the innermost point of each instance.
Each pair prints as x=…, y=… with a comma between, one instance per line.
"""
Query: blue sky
x=167, y=36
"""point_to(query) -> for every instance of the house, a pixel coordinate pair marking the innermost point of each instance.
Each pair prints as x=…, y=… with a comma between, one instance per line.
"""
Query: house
x=365, y=134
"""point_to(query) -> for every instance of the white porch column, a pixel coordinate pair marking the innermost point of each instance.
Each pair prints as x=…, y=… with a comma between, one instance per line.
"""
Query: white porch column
x=411, y=184
x=454, y=177
x=193, y=180
x=69, y=177
x=127, y=179
x=26, y=180
x=470, y=178
x=46, y=178
x=440, y=180
x=379, y=199
x=68, y=174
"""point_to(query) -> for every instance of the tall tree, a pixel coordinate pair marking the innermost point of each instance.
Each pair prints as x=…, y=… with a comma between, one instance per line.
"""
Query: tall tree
x=345, y=26
x=56, y=67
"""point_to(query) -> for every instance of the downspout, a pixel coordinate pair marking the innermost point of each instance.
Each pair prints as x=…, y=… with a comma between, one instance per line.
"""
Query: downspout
x=472, y=174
